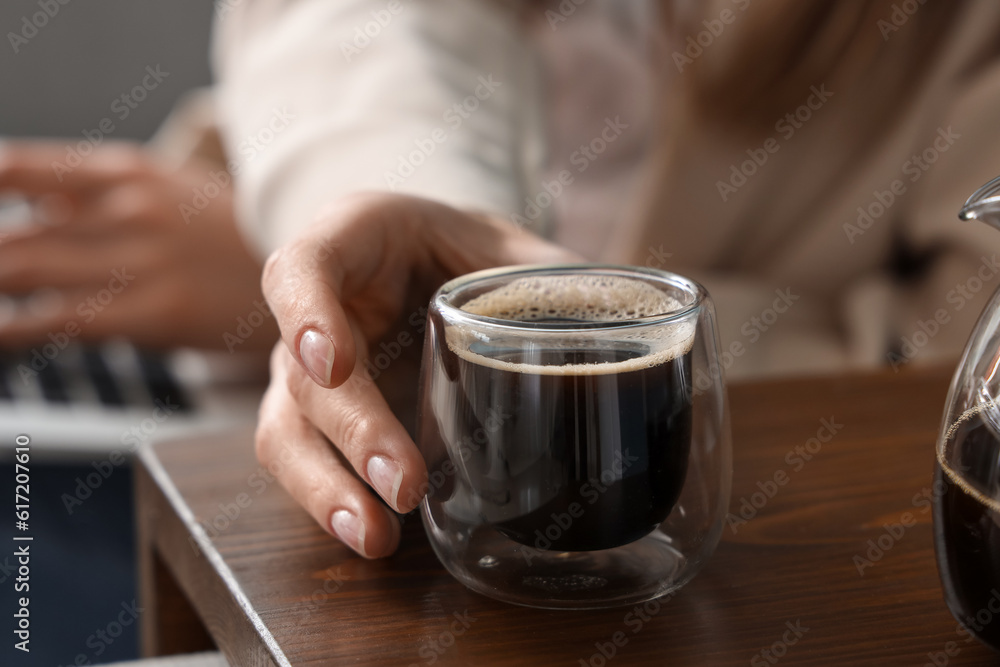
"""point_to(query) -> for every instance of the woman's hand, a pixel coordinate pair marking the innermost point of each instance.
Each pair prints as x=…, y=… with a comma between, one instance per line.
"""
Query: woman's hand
x=334, y=292
x=126, y=248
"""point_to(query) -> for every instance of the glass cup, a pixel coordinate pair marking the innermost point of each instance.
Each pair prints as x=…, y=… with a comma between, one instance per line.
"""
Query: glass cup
x=575, y=427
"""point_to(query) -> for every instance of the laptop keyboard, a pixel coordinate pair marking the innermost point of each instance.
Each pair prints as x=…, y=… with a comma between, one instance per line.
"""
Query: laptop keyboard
x=116, y=376
x=97, y=371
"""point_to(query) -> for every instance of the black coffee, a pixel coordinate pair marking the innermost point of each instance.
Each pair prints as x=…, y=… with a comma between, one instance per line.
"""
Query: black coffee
x=967, y=532
x=567, y=448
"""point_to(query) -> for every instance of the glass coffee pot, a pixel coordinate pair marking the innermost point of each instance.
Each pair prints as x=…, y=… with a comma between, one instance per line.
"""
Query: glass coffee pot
x=967, y=471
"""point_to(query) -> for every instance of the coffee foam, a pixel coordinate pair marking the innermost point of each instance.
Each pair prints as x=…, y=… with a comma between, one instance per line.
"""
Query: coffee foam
x=577, y=297
x=953, y=474
x=583, y=298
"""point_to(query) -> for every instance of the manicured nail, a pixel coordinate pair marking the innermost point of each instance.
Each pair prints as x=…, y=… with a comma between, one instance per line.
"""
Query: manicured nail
x=350, y=530
x=386, y=476
x=316, y=351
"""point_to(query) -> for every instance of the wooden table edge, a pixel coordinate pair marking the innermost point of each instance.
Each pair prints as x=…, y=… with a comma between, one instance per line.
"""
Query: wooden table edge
x=178, y=521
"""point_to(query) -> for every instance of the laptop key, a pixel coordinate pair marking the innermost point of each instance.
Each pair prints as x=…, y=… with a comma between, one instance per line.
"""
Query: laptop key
x=5, y=366
x=53, y=387
x=100, y=376
x=161, y=383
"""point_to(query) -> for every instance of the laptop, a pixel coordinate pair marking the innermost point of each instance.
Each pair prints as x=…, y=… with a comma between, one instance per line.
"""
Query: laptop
x=87, y=400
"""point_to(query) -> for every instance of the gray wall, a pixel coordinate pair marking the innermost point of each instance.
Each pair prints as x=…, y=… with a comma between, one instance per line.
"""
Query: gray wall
x=66, y=77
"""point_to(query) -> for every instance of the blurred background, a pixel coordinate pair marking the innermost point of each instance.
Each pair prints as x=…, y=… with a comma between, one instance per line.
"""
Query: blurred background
x=61, y=82
x=64, y=79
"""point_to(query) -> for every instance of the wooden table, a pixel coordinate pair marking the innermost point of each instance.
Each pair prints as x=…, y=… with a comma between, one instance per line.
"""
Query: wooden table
x=814, y=578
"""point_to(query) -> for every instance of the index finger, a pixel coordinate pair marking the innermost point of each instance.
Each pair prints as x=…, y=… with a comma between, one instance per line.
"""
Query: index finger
x=304, y=284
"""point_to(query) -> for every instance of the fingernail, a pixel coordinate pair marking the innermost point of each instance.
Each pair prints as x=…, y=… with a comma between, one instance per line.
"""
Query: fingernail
x=350, y=529
x=316, y=351
x=386, y=476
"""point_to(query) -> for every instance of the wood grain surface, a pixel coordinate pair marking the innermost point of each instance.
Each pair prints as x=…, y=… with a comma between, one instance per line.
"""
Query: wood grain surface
x=835, y=566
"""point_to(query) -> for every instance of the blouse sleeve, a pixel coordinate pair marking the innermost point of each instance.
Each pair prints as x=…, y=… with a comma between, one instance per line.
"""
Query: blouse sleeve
x=318, y=99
